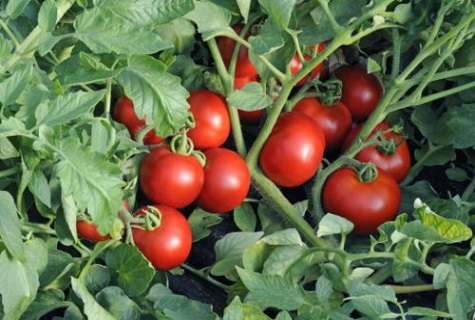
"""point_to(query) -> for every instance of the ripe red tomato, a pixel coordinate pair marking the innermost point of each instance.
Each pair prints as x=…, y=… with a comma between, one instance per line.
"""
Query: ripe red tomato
x=244, y=66
x=366, y=204
x=296, y=64
x=335, y=120
x=124, y=113
x=293, y=151
x=227, y=181
x=361, y=91
x=168, y=245
x=395, y=159
x=169, y=178
x=248, y=117
x=212, y=123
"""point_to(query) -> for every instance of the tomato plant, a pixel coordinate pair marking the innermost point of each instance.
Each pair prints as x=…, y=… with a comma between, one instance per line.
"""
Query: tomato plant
x=294, y=150
x=334, y=120
x=226, y=181
x=88, y=231
x=212, y=124
x=296, y=64
x=361, y=91
x=248, y=117
x=167, y=245
x=374, y=200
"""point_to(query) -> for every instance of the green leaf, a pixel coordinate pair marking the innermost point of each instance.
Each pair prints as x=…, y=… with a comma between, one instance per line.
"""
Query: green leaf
x=244, y=7
x=38, y=186
x=10, y=232
x=93, y=182
x=251, y=97
x=461, y=287
x=423, y=311
x=114, y=300
x=84, y=68
x=201, y=223
x=59, y=269
x=92, y=308
x=106, y=33
x=283, y=258
x=12, y=87
x=16, y=7
x=268, y=40
x=323, y=288
x=97, y=278
x=45, y=302
x=371, y=300
x=279, y=10
x=47, y=15
x=271, y=290
x=156, y=94
x=145, y=12
x=237, y=310
x=245, y=217
x=284, y=237
x=134, y=271
x=210, y=18
x=7, y=149
x=229, y=250
x=178, y=307
x=66, y=108
x=333, y=224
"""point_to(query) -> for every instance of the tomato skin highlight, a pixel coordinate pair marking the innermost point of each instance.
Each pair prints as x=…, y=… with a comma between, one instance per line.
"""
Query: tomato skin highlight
x=212, y=123
x=170, y=179
x=124, y=113
x=367, y=205
x=397, y=164
x=296, y=64
x=335, y=120
x=361, y=91
x=293, y=151
x=248, y=117
x=227, y=181
x=168, y=245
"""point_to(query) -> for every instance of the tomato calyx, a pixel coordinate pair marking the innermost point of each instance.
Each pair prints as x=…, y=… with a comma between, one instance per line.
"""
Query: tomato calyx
x=331, y=92
x=182, y=144
x=366, y=172
x=149, y=219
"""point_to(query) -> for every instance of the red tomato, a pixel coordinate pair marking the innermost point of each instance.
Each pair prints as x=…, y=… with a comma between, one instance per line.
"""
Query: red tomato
x=293, y=151
x=395, y=160
x=88, y=230
x=335, y=120
x=227, y=181
x=244, y=66
x=361, y=91
x=168, y=245
x=296, y=64
x=124, y=113
x=248, y=117
x=212, y=123
x=170, y=179
x=366, y=204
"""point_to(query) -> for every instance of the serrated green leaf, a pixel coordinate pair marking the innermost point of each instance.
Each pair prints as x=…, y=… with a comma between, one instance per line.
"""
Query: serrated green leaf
x=157, y=94
x=271, y=290
x=323, y=289
x=106, y=33
x=237, y=310
x=201, y=223
x=16, y=7
x=461, y=287
x=282, y=259
x=47, y=15
x=334, y=224
x=92, y=308
x=66, y=108
x=134, y=271
x=284, y=238
x=371, y=300
x=245, y=217
x=118, y=303
x=12, y=87
x=268, y=39
x=279, y=10
x=10, y=232
x=38, y=186
x=210, y=18
x=93, y=182
x=250, y=97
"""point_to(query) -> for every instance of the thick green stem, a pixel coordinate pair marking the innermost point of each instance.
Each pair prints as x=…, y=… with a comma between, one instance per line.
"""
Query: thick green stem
x=9, y=33
x=411, y=289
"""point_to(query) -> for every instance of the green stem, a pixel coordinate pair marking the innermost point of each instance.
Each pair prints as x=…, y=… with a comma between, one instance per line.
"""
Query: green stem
x=9, y=33
x=98, y=249
x=411, y=289
x=396, y=64
x=469, y=190
x=421, y=163
x=9, y=172
x=337, y=28
x=205, y=276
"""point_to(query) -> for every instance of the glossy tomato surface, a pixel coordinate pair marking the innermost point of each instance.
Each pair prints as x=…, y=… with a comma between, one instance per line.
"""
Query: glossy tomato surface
x=334, y=120
x=244, y=65
x=227, y=181
x=366, y=204
x=169, y=178
x=395, y=160
x=168, y=245
x=124, y=113
x=248, y=117
x=361, y=91
x=293, y=151
x=212, y=123
x=296, y=64
x=88, y=230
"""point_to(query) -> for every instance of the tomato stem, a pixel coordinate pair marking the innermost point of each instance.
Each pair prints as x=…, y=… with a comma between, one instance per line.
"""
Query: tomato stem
x=205, y=276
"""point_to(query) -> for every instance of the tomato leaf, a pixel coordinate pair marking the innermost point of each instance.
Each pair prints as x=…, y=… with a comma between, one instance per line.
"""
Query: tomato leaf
x=16, y=7
x=38, y=185
x=245, y=217
x=45, y=302
x=332, y=224
x=271, y=290
x=10, y=232
x=236, y=310
x=92, y=181
x=251, y=97
x=7, y=149
x=155, y=93
x=268, y=39
x=92, y=308
x=461, y=281
x=279, y=10
x=134, y=271
x=244, y=6
x=97, y=278
x=114, y=300
x=371, y=300
x=12, y=87
x=201, y=223
x=47, y=16
x=66, y=108
x=210, y=18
